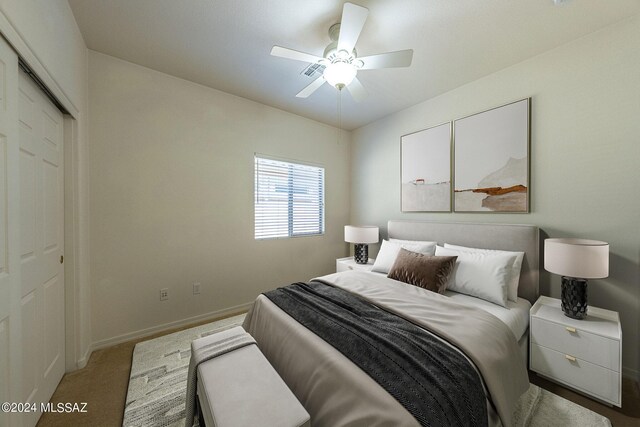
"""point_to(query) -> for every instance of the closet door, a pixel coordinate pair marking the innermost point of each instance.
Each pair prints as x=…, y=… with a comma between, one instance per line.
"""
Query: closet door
x=42, y=243
x=10, y=334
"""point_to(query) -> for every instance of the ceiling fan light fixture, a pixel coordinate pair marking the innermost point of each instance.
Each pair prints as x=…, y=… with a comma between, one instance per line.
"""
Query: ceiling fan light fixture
x=339, y=74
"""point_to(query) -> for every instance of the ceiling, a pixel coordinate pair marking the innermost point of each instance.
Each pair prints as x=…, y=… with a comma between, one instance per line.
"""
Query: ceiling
x=225, y=44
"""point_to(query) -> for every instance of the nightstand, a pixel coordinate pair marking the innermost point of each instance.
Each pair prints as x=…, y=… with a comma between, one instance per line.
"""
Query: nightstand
x=585, y=355
x=346, y=264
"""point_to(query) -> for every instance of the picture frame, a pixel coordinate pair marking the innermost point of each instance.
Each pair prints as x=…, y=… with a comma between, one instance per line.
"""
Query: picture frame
x=425, y=172
x=491, y=167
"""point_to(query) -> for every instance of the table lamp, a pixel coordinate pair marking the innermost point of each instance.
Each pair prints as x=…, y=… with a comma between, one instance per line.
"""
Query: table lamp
x=576, y=260
x=361, y=236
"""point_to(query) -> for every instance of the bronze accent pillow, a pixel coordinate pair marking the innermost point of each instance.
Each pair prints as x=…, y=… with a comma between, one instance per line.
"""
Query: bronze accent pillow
x=425, y=271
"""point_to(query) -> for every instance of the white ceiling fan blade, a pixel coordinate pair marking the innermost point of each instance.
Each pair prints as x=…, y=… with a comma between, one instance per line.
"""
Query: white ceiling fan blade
x=399, y=58
x=358, y=91
x=353, y=18
x=315, y=85
x=284, y=52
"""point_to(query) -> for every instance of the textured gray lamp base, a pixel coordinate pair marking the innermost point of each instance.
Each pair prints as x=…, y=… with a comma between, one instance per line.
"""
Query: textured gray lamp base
x=361, y=253
x=574, y=297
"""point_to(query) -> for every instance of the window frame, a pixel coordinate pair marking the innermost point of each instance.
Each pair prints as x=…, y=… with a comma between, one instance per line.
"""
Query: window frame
x=291, y=184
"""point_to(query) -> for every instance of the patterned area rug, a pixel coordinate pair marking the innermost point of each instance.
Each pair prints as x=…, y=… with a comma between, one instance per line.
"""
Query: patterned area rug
x=158, y=381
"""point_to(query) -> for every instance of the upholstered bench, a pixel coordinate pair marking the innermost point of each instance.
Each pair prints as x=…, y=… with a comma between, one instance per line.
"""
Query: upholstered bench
x=241, y=389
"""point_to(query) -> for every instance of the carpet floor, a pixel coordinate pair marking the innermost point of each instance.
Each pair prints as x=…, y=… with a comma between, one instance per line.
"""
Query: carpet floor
x=103, y=385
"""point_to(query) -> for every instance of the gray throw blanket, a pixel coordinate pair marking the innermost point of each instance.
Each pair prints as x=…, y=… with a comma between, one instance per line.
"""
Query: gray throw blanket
x=207, y=348
x=430, y=378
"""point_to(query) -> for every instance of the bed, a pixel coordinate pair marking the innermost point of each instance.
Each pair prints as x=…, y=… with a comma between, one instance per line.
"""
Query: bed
x=337, y=393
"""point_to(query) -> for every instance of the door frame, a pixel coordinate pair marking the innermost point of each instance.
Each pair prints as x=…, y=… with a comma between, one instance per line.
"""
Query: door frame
x=76, y=207
x=77, y=296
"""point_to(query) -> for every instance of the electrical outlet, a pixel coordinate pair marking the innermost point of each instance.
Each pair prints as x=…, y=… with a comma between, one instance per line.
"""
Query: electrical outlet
x=196, y=288
x=164, y=294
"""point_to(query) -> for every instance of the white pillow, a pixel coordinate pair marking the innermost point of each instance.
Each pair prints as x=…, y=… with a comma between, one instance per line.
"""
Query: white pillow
x=481, y=275
x=514, y=279
x=389, y=252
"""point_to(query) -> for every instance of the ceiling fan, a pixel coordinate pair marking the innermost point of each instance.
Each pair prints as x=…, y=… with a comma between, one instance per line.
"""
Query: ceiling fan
x=340, y=58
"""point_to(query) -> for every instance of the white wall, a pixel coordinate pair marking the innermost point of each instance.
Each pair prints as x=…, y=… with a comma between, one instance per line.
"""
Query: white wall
x=585, y=155
x=172, y=198
x=45, y=35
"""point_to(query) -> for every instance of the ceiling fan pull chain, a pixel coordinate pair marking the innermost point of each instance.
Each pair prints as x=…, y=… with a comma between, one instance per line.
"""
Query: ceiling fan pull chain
x=339, y=114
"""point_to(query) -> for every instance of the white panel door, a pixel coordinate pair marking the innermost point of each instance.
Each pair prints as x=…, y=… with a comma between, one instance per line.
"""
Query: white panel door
x=42, y=244
x=10, y=333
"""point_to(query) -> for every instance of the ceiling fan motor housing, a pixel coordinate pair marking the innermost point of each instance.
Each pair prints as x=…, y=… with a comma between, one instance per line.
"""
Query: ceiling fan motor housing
x=331, y=53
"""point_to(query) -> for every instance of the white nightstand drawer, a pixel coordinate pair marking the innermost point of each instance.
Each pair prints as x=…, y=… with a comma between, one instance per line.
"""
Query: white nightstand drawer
x=579, y=374
x=593, y=347
x=572, y=340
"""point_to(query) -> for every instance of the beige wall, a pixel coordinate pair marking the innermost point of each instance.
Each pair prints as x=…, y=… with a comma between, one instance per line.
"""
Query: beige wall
x=172, y=198
x=585, y=156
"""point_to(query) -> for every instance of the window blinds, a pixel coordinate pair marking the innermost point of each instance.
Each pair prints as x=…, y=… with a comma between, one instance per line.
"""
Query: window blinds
x=289, y=199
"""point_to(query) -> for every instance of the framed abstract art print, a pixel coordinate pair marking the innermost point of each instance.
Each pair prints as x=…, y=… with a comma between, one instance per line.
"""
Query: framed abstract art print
x=491, y=160
x=426, y=170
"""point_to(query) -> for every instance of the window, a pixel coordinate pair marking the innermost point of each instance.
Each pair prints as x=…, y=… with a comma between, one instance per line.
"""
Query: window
x=289, y=199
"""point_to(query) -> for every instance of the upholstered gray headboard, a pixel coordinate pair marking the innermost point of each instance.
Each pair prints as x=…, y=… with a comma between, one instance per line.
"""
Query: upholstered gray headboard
x=508, y=237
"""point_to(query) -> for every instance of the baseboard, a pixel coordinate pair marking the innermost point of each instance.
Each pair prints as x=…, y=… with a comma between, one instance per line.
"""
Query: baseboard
x=166, y=326
x=82, y=362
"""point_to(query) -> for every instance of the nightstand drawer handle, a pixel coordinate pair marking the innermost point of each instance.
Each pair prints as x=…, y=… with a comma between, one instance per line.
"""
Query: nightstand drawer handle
x=569, y=358
x=570, y=329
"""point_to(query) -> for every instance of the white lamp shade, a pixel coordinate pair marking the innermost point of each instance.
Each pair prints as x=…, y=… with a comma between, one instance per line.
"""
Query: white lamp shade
x=360, y=234
x=577, y=258
x=339, y=73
